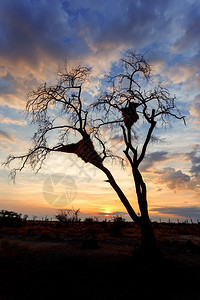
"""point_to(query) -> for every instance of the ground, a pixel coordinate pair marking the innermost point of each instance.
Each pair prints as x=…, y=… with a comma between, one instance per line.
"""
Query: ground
x=52, y=262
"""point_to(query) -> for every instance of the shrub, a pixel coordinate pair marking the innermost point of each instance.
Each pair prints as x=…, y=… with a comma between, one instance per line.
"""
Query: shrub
x=117, y=224
x=10, y=219
x=89, y=220
x=66, y=216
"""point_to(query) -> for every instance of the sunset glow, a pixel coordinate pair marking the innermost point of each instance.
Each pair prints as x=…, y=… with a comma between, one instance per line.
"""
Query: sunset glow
x=37, y=37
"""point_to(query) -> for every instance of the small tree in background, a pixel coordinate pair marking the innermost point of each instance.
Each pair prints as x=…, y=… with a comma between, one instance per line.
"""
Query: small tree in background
x=60, y=113
x=65, y=216
x=10, y=219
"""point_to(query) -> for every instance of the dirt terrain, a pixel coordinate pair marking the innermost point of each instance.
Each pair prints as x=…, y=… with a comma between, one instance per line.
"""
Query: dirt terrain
x=40, y=263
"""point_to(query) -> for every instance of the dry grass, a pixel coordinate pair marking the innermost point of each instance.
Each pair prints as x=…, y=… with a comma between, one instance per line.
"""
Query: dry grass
x=45, y=261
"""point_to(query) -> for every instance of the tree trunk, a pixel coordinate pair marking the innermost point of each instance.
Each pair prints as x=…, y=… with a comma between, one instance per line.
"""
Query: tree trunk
x=149, y=253
x=148, y=240
x=148, y=247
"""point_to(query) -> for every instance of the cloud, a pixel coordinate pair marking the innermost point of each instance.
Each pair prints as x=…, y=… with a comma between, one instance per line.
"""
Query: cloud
x=180, y=72
x=36, y=36
x=7, y=120
x=195, y=170
x=6, y=139
x=31, y=29
x=174, y=180
x=194, y=157
x=4, y=145
x=113, y=214
x=180, y=211
x=195, y=109
x=193, y=154
x=6, y=136
x=14, y=89
x=32, y=38
x=113, y=24
x=190, y=39
x=152, y=158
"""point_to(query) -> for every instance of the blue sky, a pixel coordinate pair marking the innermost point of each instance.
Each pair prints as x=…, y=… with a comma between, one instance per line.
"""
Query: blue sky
x=38, y=36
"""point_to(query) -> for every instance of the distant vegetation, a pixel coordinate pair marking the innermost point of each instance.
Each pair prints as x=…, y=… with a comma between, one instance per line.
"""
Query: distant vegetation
x=68, y=225
x=11, y=219
x=68, y=216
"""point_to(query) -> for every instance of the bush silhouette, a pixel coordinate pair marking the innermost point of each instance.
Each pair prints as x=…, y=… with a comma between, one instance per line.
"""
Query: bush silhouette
x=10, y=219
x=117, y=224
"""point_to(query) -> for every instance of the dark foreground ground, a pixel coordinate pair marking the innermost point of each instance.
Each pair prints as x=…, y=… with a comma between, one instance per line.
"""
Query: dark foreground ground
x=42, y=267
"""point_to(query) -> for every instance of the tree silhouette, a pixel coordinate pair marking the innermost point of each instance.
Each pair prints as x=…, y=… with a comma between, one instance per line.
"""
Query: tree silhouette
x=10, y=219
x=59, y=111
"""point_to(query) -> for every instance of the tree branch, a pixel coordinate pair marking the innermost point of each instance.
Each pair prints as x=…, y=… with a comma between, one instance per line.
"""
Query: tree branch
x=148, y=137
x=120, y=194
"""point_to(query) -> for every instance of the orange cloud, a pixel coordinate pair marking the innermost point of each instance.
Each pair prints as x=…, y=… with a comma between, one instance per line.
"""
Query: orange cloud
x=7, y=120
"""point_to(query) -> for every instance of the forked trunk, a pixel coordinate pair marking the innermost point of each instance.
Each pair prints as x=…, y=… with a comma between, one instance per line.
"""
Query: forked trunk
x=148, y=240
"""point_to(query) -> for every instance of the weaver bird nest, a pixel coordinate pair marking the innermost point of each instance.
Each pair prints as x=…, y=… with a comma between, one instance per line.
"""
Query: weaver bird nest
x=130, y=115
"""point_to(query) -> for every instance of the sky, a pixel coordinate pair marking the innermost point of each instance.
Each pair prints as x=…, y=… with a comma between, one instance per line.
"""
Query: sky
x=37, y=37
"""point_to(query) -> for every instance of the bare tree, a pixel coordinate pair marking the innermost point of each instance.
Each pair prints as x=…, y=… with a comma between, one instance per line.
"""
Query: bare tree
x=59, y=111
x=67, y=216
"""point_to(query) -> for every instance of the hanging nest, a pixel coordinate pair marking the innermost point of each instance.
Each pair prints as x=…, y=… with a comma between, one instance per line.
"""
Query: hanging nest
x=130, y=115
x=83, y=149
